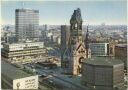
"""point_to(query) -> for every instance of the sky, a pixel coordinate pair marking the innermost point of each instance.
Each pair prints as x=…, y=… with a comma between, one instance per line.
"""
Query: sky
x=58, y=12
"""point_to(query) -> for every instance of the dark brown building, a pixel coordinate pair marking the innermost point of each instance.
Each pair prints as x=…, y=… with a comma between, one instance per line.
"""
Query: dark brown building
x=65, y=33
x=121, y=53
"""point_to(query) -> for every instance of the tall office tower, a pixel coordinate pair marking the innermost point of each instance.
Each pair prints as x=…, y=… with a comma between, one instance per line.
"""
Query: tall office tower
x=76, y=52
x=45, y=27
x=27, y=21
x=65, y=32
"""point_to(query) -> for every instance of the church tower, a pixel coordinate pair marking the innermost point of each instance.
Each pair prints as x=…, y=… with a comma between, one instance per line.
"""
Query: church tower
x=76, y=27
x=76, y=51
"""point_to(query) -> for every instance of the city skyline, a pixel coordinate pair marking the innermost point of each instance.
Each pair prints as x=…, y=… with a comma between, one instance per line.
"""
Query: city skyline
x=58, y=13
x=76, y=56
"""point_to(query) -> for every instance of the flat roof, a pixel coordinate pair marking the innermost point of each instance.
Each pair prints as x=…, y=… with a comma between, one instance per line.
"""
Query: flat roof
x=122, y=45
x=12, y=72
x=99, y=43
x=23, y=43
x=103, y=61
x=26, y=9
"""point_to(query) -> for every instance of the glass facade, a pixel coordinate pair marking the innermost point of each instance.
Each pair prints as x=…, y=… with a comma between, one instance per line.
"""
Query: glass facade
x=99, y=49
x=27, y=21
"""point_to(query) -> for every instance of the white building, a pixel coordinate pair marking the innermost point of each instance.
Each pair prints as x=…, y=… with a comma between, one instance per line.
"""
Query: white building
x=99, y=49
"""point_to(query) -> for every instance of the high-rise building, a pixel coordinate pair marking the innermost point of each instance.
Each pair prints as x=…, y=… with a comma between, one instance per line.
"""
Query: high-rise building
x=26, y=22
x=65, y=32
x=75, y=52
x=45, y=27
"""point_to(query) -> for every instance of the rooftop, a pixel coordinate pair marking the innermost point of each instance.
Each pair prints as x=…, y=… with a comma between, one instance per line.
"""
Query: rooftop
x=100, y=43
x=122, y=45
x=11, y=71
x=103, y=61
x=26, y=9
x=23, y=43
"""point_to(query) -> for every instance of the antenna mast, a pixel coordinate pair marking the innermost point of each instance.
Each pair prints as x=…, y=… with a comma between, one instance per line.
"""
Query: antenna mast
x=23, y=5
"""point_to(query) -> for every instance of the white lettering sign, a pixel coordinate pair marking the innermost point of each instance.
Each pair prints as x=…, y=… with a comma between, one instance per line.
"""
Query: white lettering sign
x=26, y=83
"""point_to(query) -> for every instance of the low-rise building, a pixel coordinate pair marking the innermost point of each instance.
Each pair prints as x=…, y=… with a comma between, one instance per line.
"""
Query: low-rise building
x=99, y=49
x=102, y=73
x=23, y=52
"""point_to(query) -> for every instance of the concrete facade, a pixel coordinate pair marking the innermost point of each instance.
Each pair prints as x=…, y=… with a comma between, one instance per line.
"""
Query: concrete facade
x=65, y=33
x=23, y=52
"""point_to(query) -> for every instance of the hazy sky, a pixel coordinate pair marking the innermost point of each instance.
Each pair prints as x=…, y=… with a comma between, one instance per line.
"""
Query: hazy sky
x=59, y=12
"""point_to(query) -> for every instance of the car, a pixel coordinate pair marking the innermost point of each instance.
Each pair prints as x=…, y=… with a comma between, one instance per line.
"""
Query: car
x=42, y=76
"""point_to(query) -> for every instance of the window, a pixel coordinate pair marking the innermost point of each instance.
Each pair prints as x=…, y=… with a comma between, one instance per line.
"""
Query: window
x=81, y=60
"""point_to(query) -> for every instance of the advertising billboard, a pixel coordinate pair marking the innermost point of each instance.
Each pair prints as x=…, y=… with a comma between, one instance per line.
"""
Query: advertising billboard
x=26, y=83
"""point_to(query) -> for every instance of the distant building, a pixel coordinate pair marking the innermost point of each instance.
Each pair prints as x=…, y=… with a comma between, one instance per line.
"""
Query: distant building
x=26, y=23
x=13, y=78
x=121, y=53
x=101, y=73
x=75, y=53
x=50, y=36
x=86, y=42
x=112, y=45
x=99, y=49
x=58, y=40
x=23, y=52
x=45, y=27
x=43, y=36
x=10, y=39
